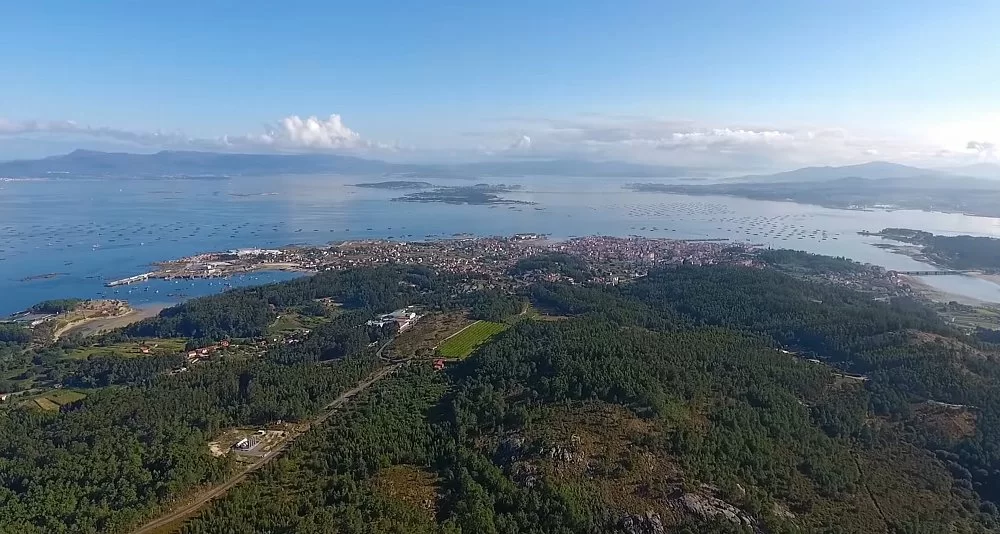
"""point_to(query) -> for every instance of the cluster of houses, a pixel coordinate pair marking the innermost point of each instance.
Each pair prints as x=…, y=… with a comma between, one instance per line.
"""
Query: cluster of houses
x=204, y=352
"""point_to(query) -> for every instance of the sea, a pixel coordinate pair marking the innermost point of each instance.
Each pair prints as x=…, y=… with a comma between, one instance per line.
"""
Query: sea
x=66, y=236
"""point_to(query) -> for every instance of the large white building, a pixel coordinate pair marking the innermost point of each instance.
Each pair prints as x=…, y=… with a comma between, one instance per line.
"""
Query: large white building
x=402, y=317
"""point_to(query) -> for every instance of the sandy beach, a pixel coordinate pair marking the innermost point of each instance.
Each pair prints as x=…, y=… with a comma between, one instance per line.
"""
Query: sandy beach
x=91, y=326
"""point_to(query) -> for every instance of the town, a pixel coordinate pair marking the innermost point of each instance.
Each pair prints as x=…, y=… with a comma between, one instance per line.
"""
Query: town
x=613, y=258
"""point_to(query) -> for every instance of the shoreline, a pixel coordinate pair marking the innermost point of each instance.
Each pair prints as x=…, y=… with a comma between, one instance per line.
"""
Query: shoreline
x=94, y=325
x=941, y=296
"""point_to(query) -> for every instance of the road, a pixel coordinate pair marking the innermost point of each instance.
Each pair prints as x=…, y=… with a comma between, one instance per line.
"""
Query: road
x=203, y=498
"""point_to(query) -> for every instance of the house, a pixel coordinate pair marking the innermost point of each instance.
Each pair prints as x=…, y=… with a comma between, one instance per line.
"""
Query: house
x=439, y=364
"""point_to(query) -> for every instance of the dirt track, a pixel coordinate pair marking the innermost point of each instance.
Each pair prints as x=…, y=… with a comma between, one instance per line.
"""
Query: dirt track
x=189, y=508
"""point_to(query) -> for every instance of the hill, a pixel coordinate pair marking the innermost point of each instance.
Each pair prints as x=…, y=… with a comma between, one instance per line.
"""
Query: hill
x=875, y=170
x=695, y=399
x=871, y=185
x=213, y=164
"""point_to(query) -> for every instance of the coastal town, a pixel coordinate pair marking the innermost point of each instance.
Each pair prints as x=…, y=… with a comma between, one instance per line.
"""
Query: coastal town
x=613, y=258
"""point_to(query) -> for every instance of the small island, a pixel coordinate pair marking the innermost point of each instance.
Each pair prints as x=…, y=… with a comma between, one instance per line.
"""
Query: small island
x=479, y=194
x=45, y=276
x=396, y=185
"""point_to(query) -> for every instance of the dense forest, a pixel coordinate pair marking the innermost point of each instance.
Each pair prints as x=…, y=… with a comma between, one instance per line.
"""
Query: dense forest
x=662, y=402
x=139, y=438
x=56, y=305
x=694, y=399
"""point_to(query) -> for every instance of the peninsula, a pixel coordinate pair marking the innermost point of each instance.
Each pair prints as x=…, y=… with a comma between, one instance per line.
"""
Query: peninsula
x=961, y=252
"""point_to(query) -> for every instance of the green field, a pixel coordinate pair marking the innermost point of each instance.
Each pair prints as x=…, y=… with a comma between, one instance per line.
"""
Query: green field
x=130, y=349
x=54, y=399
x=293, y=321
x=65, y=396
x=463, y=343
x=46, y=404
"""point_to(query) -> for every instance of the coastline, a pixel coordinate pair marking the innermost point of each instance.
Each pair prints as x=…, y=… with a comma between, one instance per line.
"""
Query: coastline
x=937, y=295
x=89, y=325
x=96, y=325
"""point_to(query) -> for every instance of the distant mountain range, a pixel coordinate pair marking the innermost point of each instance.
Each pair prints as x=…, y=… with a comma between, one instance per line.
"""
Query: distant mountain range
x=211, y=164
x=867, y=186
x=875, y=170
x=989, y=171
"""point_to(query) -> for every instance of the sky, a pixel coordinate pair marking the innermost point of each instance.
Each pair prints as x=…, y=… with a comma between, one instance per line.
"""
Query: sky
x=728, y=84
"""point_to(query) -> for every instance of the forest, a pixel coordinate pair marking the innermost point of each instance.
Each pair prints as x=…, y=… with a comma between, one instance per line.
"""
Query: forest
x=56, y=305
x=694, y=399
x=952, y=252
x=713, y=365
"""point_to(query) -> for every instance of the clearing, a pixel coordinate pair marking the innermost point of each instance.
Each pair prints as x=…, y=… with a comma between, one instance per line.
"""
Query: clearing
x=291, y=321
x=462, y=343
x=425, y=335
x=412, y=485
x=55, y=399
x=131, y=349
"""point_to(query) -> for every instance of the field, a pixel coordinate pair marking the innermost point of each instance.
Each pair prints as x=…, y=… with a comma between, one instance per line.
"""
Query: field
x=292, y=321
x=65, y=396
x=132, y=349
x=465, y=341
x=425, y=335
x=53, y=400
x=46, y=404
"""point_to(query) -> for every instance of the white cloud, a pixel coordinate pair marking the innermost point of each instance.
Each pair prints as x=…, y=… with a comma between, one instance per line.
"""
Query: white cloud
x=723, y=146
x=521, y=144
x=983, y=128
x=313, y=133
x=593, y=136
x=980, y=146
x=8, y=127
x=290, y=134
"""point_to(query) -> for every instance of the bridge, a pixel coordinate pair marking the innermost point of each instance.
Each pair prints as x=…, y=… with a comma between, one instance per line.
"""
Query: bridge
x=933, y=273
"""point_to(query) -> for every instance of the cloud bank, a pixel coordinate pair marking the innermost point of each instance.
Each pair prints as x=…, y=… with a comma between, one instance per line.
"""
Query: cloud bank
x=591, y=136
x=738, y=146
x=290, y=134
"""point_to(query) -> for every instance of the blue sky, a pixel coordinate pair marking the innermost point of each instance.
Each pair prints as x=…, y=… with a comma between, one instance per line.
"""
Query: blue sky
x=652, y=81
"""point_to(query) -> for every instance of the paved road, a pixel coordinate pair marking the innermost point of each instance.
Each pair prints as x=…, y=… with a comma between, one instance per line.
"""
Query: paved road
x=203, y=498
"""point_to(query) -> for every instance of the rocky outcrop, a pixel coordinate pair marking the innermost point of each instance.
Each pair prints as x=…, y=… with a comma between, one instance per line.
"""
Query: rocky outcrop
x=648, y=523
x=708, y=507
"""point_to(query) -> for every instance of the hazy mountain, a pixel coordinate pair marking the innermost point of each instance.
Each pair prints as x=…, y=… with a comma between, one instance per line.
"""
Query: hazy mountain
x=875, y=170
x=989, y=171
x=182, y=163
x=871, y=185
x=564, y=167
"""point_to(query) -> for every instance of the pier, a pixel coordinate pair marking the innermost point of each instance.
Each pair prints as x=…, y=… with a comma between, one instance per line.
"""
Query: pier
x=130, y=280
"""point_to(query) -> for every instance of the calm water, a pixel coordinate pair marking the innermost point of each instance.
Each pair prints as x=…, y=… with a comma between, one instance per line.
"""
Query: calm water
x=83, y=232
